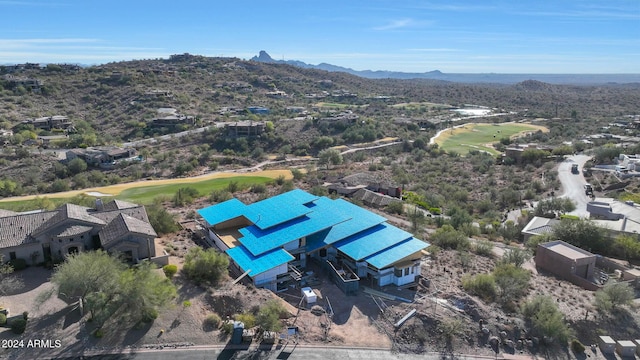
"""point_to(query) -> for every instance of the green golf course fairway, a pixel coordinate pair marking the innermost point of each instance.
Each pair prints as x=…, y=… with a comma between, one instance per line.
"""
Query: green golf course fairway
x=480, y=136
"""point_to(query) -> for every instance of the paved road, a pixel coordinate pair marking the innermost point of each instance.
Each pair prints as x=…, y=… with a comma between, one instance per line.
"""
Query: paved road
x=573, y=184
x=288, y=352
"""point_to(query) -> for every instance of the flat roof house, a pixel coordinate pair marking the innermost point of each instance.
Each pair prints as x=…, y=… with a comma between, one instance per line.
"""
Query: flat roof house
x=271, y=239
x=568, y=262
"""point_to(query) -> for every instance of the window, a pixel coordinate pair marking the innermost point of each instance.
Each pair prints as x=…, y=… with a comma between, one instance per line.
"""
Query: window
x=406, y=271
x=12, y=255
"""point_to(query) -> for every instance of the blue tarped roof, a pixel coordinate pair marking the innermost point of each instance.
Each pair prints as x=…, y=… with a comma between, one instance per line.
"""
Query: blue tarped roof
x=372, y=240
x=322, y=216
x=263, y=214
x=361, y=219
x=246, y=261
x=396, y=253
x=230, y=209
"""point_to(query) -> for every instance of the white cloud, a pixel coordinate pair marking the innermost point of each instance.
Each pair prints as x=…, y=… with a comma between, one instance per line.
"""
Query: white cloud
x=395, y=24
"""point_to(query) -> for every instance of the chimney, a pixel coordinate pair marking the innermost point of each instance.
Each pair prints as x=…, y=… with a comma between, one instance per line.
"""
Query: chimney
x=99, y=205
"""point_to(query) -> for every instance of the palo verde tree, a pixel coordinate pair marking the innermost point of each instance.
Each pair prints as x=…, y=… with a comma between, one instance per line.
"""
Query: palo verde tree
x=205, y=266
x=107, y=288
x=8, y=281
x=613, y=295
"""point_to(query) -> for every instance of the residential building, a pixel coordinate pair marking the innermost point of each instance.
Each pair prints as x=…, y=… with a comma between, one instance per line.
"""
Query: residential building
x=274, y=239
x=245, y=128
x=117, y=227
x=173, y=120
x=104, y=157
x=568, y=262
x=49, y=122
x=258, y=110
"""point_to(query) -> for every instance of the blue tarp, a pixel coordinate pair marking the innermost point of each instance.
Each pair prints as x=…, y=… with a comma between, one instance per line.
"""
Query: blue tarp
x=372, y=240
x=396, y=253
x=323, y=216
x=246, y=261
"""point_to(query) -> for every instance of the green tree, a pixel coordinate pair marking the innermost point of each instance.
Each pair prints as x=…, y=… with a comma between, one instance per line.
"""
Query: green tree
x=613, y=295
x=515, y=256
x=395, y=207
x=329, y=156
x=512, y=281
x=8, y=281
x=205, y=266
x=77, y=166
x=162, y=221
x=550, y=206
x=268, y=317
x=545, y=319
x=107, y=288
x=87, y=273
x=142, y=292
x=447, y=237
x=583, y=234
x=627, y=247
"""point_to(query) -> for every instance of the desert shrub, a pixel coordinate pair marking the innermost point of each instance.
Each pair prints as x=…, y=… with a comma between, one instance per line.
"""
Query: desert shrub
x=212, y=321
x=3, y=319
x=268, y=317
x=613, y=295
x=577, y=346
x=483, y=248
x=515, y=256
x=545, y=319
x=227, y=328
x=395, y=207
x=447, y=237
x=258, y=188
x=18, y=264
x=482, y=285
x=219, y=196
x=149, y=315
x=248, y=319
x=98, y=333
x=25, y=315
x=18, y=326
x=205, y=266
x=170, y=270
x=512, y=281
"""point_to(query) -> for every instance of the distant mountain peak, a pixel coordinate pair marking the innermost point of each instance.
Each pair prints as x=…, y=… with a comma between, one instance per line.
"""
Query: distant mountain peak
x=263, y=56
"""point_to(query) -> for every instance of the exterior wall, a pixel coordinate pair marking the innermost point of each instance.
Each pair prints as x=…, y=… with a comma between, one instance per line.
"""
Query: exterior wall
x=566, y=268
x=139, y=246
x=268, y=279
x=23, y=252
x=411, y=272
x=217, y=241
x=385, y=277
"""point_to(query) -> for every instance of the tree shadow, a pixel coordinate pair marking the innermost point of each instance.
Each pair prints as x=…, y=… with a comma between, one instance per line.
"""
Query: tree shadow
x=31, y=278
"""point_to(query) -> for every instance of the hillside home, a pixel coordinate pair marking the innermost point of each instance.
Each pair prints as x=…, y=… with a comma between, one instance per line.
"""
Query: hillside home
x=568, y=262
x=273, y=239
x=245, y=128
x=117, y=227
x=49, y=122
x=105, y=157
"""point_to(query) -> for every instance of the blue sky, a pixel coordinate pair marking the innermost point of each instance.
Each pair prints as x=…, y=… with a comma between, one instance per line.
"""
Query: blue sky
x=472, y=36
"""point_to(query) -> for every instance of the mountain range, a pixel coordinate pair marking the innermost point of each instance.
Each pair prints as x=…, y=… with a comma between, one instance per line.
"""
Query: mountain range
x=577, y=79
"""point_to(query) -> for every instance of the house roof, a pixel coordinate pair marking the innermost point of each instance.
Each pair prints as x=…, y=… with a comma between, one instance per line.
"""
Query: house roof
x=320, y=215
x=372, y=240
x=263, y=214
x=258, y=264
x=395, y=253
x=16, y=230
x=121, y=226
x=567, y=250
x=356, y=232
x=116, y=204
x=539, y=225
x=5, y=213
x=23, y=228
x=360, y=220
x=66, y=212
